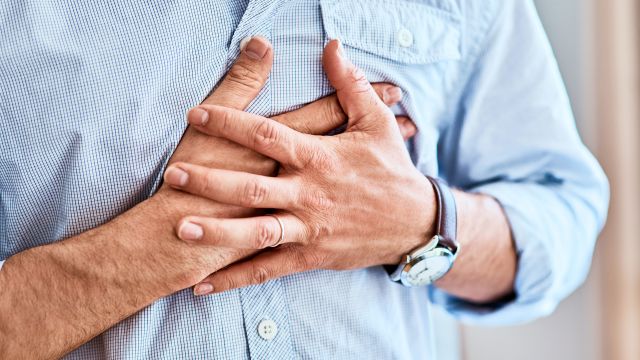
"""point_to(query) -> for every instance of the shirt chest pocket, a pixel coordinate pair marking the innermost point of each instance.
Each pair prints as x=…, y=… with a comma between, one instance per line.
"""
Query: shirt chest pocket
x=414, y=45
x=398, y=31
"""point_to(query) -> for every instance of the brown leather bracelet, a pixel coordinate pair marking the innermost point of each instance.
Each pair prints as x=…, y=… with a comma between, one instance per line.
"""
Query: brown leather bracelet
x=446, y=217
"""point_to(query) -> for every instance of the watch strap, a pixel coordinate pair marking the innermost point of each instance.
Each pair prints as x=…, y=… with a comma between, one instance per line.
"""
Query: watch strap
x=445, y=223
x=446, y=216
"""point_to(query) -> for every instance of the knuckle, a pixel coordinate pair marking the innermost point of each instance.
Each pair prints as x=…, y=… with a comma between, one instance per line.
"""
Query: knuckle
x=225, y=121
x=316, y=258
x=259, y=275
x=334, y=112
x=358, y=77
x=206, y=185
x=245, y=77
x=214, y=233
x=379, y=89
x=254, y=193
x=322, y=160
x=230, y=282
x=317, y=199
x=265, y=133
x=312, y=234
x=265, y=235
x=319, y=232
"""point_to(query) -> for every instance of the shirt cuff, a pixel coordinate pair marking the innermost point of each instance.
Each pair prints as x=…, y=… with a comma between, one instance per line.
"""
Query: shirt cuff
x=538, y=288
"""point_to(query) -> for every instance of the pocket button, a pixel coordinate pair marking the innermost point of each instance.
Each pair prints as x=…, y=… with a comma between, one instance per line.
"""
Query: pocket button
x=405, y=37
x=267, y=329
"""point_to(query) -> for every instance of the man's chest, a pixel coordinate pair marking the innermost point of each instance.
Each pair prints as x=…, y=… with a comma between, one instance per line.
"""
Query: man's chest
x=94, y=94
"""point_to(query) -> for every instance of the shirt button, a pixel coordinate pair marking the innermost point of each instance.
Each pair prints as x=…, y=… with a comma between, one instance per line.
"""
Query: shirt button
x=267, y=329
x=405, y=37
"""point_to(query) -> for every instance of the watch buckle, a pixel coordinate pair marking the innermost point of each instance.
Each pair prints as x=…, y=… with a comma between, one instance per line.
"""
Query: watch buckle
x=432, y=244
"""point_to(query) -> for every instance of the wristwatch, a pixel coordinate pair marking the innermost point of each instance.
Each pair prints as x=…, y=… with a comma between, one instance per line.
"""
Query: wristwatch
x=433, y=260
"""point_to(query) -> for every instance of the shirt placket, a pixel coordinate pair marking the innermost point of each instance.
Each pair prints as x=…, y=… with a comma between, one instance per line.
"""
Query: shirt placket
x=264, y=307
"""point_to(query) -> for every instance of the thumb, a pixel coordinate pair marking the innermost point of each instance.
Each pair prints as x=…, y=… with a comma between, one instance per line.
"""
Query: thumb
x=244, y=81
x=356, y=95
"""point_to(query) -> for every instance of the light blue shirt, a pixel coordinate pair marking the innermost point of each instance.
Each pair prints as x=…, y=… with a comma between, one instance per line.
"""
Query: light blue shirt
x=92, y=102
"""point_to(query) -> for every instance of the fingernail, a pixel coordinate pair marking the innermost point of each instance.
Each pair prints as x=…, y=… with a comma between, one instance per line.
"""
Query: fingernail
x=198, y=116
x=189, y=231
x=202, y=289
x=406, y=132
x=342, y=56
x=244, y=42
x=413, y=129
x=340, y=49
x=255, y=47
x=176, y=176
x=408, y=129
x=392, y=94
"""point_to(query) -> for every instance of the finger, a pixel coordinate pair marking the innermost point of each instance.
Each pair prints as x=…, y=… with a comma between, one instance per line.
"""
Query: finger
x=316, y=118
x=232, y=187
x=261, y=268
x=246, y=77
x=258, y=133
x=389, y=94
x=407, y=128
x=256, y=233
x=357, y=97
x=326, y=114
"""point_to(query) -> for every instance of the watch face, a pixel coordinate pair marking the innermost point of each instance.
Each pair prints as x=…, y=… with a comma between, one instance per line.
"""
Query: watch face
x=429, y=268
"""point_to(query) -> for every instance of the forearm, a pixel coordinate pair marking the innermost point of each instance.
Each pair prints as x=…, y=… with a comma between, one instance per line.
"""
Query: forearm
x=55, y=298
x=486, y=266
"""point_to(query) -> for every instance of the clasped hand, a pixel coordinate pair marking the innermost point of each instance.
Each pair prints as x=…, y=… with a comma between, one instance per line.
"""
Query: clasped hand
x=347, y=201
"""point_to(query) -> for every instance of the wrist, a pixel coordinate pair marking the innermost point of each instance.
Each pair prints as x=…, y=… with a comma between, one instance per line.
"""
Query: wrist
x=423, y=210
x=485, y=270
x=144, y=241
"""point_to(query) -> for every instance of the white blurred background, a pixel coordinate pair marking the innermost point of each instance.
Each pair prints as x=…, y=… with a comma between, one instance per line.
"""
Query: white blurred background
x=596, y=43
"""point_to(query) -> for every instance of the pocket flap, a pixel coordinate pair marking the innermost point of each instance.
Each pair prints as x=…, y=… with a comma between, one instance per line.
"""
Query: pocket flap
x=399, y=30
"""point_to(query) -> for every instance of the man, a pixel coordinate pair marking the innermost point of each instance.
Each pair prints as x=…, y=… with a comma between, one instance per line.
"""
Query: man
x=91, y=101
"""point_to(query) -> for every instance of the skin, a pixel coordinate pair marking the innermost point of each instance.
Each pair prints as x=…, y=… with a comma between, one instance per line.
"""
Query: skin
x=349, y=201
x=56, y=297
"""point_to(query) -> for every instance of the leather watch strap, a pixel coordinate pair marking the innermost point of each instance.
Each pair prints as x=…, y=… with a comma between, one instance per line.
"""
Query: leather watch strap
x=445, y=224
x=446, y=218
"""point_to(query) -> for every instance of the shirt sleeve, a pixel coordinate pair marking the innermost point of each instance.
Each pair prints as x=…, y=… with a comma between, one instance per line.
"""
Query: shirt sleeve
x=516, y=141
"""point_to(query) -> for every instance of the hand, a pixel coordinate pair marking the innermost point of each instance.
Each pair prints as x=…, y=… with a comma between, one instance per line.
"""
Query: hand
x=240, y=86
x=349, y=201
